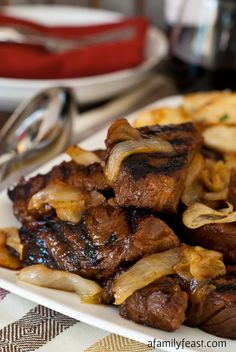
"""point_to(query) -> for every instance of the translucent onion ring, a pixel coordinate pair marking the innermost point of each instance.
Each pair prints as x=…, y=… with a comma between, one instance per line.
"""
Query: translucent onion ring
x=68, y=201
x=145, y=271
x=124, y=149
x=89, y=291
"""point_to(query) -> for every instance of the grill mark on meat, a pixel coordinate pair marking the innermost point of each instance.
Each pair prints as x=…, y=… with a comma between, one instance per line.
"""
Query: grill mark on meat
x=88, y=250
x=65, y=172
x=226, y=287
x=147, y=130
x=112, y=240
x=100, y=243
x=60, y=236
x=210, y=316
x=35, y=250
x=156, y=180
x=78, y=242
x=179, y=141
x=62, y=253
x=223, y=326
x=139, y=166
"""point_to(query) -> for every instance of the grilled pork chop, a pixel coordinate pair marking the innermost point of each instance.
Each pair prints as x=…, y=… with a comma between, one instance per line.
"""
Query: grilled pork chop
x=105, y=238
x=156, y=180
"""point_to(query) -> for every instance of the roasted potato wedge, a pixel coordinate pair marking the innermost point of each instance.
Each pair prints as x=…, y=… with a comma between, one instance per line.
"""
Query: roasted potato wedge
x=196, y=101
x=221, y=138
x=161, y=116
x=221, y=109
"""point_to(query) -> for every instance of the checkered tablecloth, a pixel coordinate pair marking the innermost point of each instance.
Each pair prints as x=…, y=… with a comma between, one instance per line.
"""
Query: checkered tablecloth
x=26, y=326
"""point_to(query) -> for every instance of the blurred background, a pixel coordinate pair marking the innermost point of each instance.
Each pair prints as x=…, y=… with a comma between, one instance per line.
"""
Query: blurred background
x=191, y=27
x=152, y=8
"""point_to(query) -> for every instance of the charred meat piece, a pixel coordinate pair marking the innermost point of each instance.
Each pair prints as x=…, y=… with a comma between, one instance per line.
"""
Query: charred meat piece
x=161, y=304
x=88, y=178
x=95, y=248
x=215, y=311
x=156, y=180
x=219, y=237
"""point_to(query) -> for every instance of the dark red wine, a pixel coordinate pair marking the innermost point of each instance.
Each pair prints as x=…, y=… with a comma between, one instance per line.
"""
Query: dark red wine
x=189, y=77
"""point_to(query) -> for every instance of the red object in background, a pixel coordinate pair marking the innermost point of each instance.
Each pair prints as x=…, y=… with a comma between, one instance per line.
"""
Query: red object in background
x=34, y=62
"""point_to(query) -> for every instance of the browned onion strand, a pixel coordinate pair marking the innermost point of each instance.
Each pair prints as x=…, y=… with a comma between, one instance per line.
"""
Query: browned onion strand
x=82, y=156
x=7, y=260
x=215, y=178
x=12, y=238
x=193, y=190
x=206, y=180
x=121, y=130
x=124, y=149
x=199, y=264
x=199, y=214
x=68, y=201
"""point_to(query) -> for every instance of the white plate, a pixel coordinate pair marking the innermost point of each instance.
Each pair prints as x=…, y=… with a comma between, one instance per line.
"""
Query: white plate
x=105, y=317
x=88, y=89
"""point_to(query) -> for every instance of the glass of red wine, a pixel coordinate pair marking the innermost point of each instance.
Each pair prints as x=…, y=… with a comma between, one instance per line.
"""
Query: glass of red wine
x=208, y=40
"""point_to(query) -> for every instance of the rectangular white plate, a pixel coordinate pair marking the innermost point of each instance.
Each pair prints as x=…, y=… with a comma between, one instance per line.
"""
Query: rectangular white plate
x=101, y=316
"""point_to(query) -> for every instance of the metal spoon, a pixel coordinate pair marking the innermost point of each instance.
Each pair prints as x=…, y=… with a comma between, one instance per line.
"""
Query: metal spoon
x=35, y=126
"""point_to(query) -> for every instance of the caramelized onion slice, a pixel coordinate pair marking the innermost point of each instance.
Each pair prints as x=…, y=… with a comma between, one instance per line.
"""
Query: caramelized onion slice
x=215, y=177
x=68, y=201
x=230, y=159
x=82, y=156
x=193, y=189
x=12, y=238
x=7, y=260
x=121, y=131
x=88, y=290
x=124, y=149
x=198, y=214
x=144, y=272
x=199, y=264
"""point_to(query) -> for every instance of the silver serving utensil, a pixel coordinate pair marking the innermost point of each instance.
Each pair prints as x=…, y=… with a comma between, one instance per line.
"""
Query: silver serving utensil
x=21, y=35
x=35, y=126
